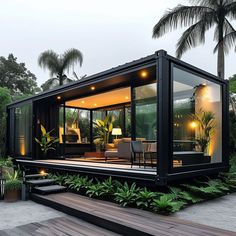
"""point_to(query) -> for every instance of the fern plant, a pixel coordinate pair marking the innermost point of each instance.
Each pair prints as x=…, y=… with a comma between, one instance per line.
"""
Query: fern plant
x=185, y=195
x=126, y=195
x=166, y=205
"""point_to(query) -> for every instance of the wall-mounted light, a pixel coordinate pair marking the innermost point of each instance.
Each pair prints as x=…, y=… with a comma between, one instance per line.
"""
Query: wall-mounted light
x=58, y=97
x=92, y=88
x=193, y=125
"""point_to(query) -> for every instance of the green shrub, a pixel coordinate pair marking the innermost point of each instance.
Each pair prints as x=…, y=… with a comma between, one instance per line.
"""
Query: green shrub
x=79, y=183
x=144, y=198
x=185, y=196
x=95, y=190
x=166, y=204
x=12, y=185
x=126, y=195
x=109, y=186
x=59, y=179
x=6, y=162
x=13, y=182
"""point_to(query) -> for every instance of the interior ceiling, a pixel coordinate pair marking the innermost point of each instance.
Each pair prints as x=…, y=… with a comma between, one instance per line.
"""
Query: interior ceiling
x=102, y=100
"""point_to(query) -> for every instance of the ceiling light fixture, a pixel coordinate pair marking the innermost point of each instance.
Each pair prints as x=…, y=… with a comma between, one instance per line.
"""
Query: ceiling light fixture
x=92, y=88
x=144, y=74
x=58, y=97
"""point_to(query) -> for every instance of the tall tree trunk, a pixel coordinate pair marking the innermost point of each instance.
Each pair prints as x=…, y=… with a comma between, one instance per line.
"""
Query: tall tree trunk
x=221, y=61
x=221, y=54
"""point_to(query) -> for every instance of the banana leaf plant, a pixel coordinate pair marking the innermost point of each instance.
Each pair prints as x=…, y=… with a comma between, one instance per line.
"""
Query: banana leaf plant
x=206, y=124
x=103, y=129
x=47, y=142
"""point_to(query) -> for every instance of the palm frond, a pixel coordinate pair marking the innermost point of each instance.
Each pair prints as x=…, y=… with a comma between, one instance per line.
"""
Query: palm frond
x=71, y=57
x=230, y=9
x=49, y=60
x=195, y=34
x=229, y=39
x=179, y=16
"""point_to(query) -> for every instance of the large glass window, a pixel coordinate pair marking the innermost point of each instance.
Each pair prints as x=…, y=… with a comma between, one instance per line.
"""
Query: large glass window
x=77, y=125
x=197, y=120
x=23, y=130
x=146, y=111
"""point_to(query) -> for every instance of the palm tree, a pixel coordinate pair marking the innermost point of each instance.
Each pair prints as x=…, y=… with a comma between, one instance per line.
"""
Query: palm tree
x=57, y=64
x=200, y=17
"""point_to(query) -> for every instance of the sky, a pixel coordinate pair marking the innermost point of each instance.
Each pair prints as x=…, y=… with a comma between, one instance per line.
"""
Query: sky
x=108, y=33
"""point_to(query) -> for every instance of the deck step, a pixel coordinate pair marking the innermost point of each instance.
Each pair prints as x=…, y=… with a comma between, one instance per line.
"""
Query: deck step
x=40, y=182
x=34, y=176
x=50, y=189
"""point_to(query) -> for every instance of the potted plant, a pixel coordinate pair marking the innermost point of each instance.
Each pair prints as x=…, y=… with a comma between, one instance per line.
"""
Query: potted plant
x=12, y=187
x=103, y=129
x=47, y=141
x=205, y=127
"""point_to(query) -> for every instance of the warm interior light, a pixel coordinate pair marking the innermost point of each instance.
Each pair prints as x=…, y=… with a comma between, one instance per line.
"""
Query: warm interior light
x=95, y=104
x=204, y=84
x=83, y=102
x=126, y=97
x=144, y=74
x=92, y=88
x=193, y=125
x=58, y=97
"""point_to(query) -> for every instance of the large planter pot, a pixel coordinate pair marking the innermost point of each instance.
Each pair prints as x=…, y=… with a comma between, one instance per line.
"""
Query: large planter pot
x=12, y=196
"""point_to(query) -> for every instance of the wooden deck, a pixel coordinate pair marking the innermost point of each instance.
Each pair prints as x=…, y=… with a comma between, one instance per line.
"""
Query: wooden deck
x=125, y=221
x=95, y=168
x=61, y=226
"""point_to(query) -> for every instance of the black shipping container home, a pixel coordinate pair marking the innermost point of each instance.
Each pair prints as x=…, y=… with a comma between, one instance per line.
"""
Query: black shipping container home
x=177, y=112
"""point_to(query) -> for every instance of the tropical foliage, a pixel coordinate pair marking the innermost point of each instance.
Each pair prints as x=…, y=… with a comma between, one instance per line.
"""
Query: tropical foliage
x=5, y=98
x=58, y=64
x=205, y=128
x=199, y=17
x=47, y=142
x=13, y=182
x=166, y=201
x=103, y=129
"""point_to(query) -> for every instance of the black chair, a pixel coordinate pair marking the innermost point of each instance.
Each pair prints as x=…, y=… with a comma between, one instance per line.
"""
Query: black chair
x=137, y=149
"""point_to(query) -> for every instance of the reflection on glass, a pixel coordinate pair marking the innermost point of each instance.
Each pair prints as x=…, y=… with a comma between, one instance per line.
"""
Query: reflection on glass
x=23, y=130
x=197, y=120
x=146, y=108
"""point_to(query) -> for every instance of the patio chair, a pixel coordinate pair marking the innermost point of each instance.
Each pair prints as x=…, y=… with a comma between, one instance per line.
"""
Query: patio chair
x=138, y=149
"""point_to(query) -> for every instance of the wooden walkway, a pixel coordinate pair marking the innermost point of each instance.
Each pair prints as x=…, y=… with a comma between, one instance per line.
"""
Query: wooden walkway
x=61, y=226
x=125, y=221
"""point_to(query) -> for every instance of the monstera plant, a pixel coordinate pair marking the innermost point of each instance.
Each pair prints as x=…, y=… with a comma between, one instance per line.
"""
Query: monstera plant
x=47, y=142
x=205, y=128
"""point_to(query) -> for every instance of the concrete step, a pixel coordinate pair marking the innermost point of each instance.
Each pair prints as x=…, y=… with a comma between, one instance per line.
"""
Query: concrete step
x=40, y=182
x=49, y=189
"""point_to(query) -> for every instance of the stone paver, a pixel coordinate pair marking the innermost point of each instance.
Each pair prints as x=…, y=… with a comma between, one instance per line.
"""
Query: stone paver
x=24, y=212
x=219, y=213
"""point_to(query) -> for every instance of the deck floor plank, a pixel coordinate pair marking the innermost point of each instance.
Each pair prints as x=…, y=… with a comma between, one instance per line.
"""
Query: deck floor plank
x=61, y=226
x=144, y=221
